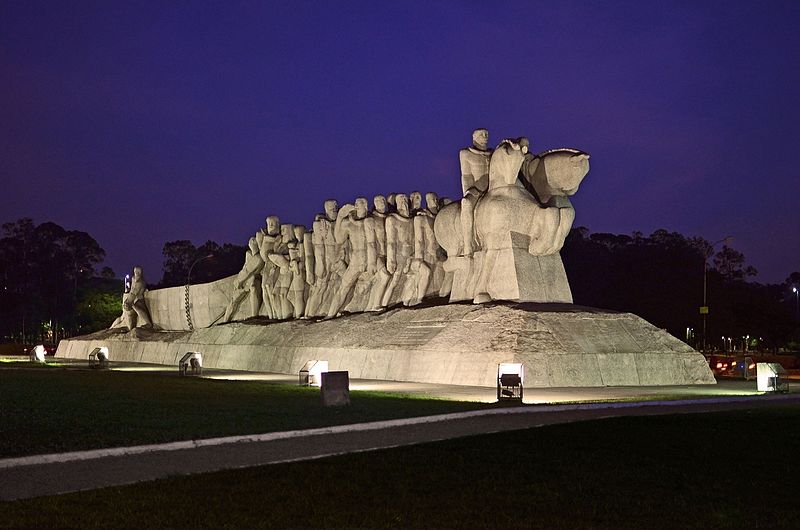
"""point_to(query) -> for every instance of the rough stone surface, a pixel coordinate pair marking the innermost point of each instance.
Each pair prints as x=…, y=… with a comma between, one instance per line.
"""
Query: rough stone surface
x=561, y=345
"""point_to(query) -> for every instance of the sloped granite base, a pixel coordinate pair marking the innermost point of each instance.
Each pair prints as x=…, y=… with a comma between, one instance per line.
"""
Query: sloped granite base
x=561, y=345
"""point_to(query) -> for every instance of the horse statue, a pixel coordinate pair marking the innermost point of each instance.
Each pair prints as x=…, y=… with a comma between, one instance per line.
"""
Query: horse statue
x=525, y=210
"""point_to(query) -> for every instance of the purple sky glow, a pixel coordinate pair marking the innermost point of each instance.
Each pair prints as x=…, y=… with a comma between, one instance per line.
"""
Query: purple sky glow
x=146, y=122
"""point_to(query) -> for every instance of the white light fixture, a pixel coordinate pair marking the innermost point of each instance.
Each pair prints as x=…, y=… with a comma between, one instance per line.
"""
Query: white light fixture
x=770, y=377
x=193, y=360
x=311, y=373
x=99, y=357
x=510, y=381
x=38, y=353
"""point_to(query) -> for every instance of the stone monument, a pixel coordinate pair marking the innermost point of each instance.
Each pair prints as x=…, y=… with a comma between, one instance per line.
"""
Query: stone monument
x=134, y=304
x=343, y=287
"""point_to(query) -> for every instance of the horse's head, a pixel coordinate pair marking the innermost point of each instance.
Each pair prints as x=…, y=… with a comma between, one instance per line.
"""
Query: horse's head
x=556, y=172
x=506, y=161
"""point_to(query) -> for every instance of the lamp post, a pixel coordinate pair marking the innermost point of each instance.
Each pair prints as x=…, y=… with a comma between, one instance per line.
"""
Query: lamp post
x=186, y=296
x=796, y=292
x=704, y=308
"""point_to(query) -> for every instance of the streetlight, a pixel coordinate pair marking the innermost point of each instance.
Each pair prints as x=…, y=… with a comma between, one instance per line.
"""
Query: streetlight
x=704, y=308
x=796, y=292
x=188, y=281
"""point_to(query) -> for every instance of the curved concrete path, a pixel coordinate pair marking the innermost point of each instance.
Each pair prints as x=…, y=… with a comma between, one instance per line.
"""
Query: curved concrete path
x=41, y=475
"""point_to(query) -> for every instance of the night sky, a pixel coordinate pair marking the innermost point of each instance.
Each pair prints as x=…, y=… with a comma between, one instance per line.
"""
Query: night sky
x=142, y=123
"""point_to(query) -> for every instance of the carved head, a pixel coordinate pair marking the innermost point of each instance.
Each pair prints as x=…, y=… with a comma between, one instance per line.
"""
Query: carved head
x=562, y=171
x=379, y=201
x=331, y=209
x=287, y=232
x=137, y=273
x=391, y=199
x=273, y=225
x=432, y=202
x=362, y=207
x=505, y=163
x=480, y=139
x=402, y=205
x=299, y=233
x=415, y=201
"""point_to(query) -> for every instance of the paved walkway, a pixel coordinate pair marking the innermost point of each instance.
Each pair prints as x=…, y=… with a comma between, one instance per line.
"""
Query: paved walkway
x=35, y=476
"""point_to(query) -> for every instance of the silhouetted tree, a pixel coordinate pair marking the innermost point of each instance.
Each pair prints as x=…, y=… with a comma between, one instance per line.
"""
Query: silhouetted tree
x=660, y=278
x=730, y=264
x=179, y=256
x=42, y=268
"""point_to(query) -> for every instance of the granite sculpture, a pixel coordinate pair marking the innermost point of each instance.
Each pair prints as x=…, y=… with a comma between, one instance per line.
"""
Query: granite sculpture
x=500, y=241
x=134, y=305
x=247, y=283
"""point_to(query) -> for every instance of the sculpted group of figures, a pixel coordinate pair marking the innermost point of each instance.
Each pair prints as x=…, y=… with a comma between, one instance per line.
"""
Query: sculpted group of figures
x=400, y=251
x=356, y=258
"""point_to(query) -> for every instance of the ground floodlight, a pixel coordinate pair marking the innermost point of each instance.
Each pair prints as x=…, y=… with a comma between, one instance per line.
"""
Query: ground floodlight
x=311, y=373
x=193, y=360
x=510, y=378
x=98, y=358
x=771, y=377
x=37, y=353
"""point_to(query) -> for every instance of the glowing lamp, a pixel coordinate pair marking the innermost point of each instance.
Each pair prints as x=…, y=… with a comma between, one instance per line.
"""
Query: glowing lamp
x=770, y=377
x=193, y=360
x=98, y=358
x=311, y=373
x=37, y=353
x=510, y=379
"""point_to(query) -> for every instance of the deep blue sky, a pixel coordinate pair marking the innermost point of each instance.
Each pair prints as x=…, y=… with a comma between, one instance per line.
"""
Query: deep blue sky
x=142, y=123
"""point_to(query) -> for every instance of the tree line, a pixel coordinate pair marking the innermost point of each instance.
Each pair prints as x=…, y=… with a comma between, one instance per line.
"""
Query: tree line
x=660, y=278
x=53, y=285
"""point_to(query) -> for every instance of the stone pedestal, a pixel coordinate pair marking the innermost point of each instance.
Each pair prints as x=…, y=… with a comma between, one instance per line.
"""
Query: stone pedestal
x=560, y=345
x=517, y=275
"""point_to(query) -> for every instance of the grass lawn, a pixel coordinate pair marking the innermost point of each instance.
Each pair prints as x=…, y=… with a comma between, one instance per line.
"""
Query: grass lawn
x=45, y=409
x=721, y=470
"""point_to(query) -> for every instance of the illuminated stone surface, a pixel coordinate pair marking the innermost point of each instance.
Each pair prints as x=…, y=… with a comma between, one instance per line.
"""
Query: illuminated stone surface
x=500, y=242
x=561, y=345
x=135, y=313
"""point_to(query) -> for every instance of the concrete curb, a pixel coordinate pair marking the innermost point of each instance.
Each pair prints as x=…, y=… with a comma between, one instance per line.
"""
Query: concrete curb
x=8, y=463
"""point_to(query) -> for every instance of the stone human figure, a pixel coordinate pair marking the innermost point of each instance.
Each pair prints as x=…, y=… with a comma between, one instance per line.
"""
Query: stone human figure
x=474, y=162
x=428, y=255
x=350, y=229
x=247, y=283
x=391, y=202
x=415, y=202
x=297, y=287
x=399, y=250
x=282, y=308
x=270, y=240
x=300, y=238
x=309, y=261
x=375, y=228
x=325, y=257
x=134, y=305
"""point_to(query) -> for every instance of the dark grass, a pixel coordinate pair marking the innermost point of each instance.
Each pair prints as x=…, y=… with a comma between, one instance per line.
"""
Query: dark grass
x=721, y=470
x=44, y=411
